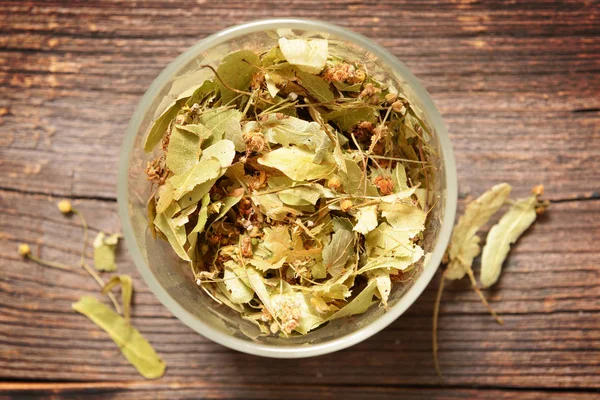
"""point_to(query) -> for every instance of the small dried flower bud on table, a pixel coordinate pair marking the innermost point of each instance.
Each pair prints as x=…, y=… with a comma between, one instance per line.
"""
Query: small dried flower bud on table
x=65, y=206
x=24, y=249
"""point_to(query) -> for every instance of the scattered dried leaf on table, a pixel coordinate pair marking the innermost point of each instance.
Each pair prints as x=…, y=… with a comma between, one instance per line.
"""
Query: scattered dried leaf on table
x=506, y=232
x=104, y=251
x=464, y=242
x=129, y=340
x=126, y=292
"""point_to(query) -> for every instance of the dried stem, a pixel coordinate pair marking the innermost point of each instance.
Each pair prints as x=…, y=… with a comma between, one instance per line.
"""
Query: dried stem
x=436, y=313
x=51, y=264
x=483, y=300
x=85, y=265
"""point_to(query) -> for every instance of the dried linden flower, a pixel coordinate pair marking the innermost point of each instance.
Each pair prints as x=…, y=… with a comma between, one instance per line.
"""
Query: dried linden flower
x=65, y=206
x=24, y=249
x=334, y=183
x=346, y=205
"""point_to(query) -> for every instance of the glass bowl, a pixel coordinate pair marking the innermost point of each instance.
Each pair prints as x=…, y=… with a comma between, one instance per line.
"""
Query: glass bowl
x=169, y=278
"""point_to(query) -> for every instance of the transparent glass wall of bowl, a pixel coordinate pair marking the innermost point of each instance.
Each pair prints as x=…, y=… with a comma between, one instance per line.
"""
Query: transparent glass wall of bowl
x=173, y=274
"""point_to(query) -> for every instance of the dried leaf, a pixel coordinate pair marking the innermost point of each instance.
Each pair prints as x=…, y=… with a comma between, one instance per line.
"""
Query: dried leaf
x=271, y=85
x=197, y=194
x=366, y=219
x=235, y=71
x=359, y=304
x=506, y=232
x=165, y=197
x=104, y=251
x=132, y=344
x=399, y=178
x=296, y=163
x=264, y=265
x=203, y=93
x=404, y=217
x=204, y=170
x=183, y=151
x=384, y=284
x=344, y=87
x=258, y=285
x=159, y=128
x=346, y=119
x=317, y=87
x=464, y=245
x=199, y=227
x=239, y=292
x=294, y=131
x=199, y=130
x=219, y=121
x=309, y=55
x=126, y=292
x=175, y=234
x=223, y=150
x=278, y=241
x=295, y=312
x=337, y=252
x=352, y=179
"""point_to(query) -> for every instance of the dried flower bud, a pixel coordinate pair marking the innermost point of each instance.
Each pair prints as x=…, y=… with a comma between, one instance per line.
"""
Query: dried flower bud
x=257, y=80
x=346, y=205
x=246, y=246
x=24, y=249
x=385, y=185
x=204, y=248
x=398, y=106
x=334, y=183
x=363, y=131
x=255, y=141
x=538, y=190
x=65, y=206
x=369, y=91
x=359, y=76
x=390, y=98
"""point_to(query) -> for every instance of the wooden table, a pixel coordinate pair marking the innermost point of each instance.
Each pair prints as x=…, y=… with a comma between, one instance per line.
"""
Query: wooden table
x=518, y=84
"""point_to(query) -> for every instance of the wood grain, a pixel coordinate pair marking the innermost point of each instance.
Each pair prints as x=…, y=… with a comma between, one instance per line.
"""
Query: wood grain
x=518, y=84
x=139, y=391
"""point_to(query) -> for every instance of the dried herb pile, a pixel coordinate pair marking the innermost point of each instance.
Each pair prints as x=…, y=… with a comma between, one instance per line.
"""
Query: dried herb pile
x=294, y=183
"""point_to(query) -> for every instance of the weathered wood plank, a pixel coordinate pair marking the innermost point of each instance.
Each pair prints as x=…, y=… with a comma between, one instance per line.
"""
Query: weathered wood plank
x=548, y=296
x=235, y=391
x=191, y=390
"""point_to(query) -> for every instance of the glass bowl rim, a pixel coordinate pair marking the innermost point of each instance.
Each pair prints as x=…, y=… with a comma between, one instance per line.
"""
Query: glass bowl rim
x=303, y=350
